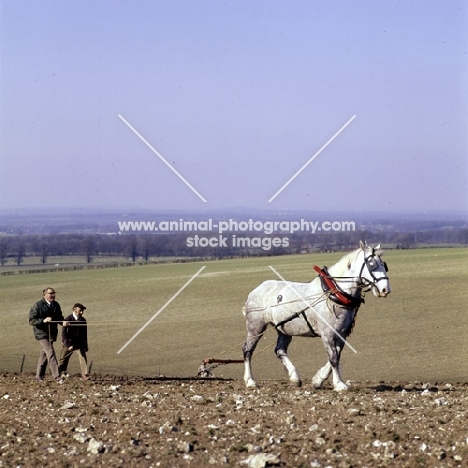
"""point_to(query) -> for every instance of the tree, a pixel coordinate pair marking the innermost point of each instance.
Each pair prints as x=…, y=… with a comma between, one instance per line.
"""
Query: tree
x=89, y=248
x=3, y=250
x=20, y=253
x=146, y=247
x=132, y=248
x=405, y=241
x=464, y=236
x=44, y=248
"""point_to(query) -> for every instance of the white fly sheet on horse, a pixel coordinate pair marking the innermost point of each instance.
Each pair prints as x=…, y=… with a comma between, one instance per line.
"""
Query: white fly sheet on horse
x=326, y=308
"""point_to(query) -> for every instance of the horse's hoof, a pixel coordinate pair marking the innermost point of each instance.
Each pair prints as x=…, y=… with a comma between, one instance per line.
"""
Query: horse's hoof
x=341, y=387
x=296, y=383
x=251, y=384
x=316, y=385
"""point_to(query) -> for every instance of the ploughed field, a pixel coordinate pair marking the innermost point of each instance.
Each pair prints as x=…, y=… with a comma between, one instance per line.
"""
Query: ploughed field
x=414, y=341
x=143, y=422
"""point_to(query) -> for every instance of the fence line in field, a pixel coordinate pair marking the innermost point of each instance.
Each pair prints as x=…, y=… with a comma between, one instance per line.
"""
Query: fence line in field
x=100, y=266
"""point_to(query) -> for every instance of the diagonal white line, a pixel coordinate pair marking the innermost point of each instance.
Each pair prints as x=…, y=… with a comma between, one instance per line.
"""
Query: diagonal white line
x=162, y=159
x=312, y=158
x=161, y=309
x=311, y=307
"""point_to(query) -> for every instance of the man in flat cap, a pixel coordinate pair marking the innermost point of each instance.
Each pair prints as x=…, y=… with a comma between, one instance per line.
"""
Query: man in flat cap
x=75, y=338
x=45, y=316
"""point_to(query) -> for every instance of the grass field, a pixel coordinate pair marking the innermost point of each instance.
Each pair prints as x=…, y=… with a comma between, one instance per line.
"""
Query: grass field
x=418, y=333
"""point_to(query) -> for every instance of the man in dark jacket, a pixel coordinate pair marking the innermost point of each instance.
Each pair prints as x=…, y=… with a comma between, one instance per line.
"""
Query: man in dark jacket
x=44, y=316
x=75, y=338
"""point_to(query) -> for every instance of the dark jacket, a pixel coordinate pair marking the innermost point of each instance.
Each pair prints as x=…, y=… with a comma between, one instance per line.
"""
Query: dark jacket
x=39, y=311
x=76, y=334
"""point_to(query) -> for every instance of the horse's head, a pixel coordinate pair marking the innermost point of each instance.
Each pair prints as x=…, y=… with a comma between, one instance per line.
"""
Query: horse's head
x=374, y=270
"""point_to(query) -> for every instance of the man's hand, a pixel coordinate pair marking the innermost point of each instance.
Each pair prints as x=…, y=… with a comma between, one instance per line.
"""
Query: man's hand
x=48, y=319
x=70, y=348
x=65, y=324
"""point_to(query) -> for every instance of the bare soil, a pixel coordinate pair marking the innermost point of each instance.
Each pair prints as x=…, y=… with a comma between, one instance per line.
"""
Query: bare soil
x=146, y=422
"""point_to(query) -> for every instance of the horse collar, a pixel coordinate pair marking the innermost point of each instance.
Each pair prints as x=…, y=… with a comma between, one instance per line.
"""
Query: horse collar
x=336, y=294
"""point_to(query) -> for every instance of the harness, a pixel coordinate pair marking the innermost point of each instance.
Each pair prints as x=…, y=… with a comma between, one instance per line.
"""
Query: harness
x=297, y=314
x=335, y=293
x=342, y=298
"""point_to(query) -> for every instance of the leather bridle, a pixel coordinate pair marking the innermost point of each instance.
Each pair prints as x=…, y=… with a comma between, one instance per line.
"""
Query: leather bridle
x=372, y=264
x=341, y=297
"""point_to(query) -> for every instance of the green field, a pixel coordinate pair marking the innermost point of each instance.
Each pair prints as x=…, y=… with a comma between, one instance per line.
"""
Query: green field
x=418, y=333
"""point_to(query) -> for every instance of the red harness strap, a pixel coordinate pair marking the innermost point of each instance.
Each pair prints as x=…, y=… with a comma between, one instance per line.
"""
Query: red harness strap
x=329, y=285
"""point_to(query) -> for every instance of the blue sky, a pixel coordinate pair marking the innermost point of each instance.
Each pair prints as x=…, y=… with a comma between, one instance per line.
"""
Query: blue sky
x=237, y=96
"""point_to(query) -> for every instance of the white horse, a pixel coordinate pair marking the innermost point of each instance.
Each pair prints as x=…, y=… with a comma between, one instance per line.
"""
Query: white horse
x=325, y=307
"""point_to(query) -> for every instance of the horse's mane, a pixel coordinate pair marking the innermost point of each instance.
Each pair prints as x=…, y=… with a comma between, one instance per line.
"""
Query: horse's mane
x=341, y=266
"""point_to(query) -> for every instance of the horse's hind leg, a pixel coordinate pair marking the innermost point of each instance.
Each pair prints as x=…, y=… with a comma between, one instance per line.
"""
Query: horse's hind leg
x=281, y=351
x=254, y=333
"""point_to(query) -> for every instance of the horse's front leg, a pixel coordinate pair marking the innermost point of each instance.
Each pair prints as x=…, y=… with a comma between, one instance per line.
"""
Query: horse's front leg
x=338, y=383
x=281, y=352
x=321, y=375
x=333, y=346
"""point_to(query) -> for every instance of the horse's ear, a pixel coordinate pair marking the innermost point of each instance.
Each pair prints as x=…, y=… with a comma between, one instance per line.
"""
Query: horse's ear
x=378, y=250
x=362, y=245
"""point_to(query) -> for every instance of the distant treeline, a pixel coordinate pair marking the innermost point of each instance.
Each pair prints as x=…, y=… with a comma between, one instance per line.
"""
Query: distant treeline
x=137, y=247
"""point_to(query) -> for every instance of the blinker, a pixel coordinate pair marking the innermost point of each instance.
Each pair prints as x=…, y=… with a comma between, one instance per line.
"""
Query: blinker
x=373, y=264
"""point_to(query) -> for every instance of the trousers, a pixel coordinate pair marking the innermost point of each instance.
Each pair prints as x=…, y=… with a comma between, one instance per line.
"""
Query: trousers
x=47, y=356
x=65, y=356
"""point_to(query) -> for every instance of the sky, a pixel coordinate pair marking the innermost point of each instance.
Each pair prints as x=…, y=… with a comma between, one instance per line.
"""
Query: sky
x=198, y=105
